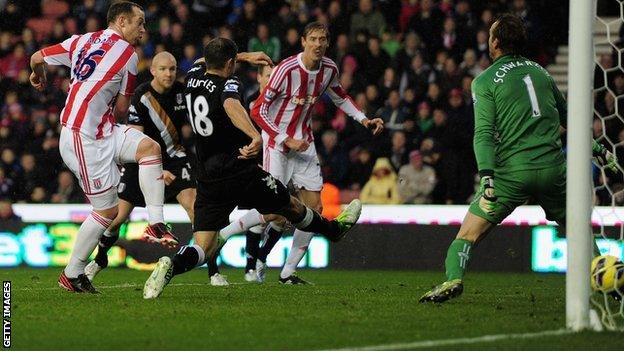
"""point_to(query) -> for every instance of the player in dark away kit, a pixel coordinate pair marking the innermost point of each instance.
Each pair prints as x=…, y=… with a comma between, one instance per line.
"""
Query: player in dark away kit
x=227, y=144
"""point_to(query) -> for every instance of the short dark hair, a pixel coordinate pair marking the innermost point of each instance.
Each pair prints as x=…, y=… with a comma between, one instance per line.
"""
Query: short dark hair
x=312, y=26
x=218, y=51
x=511, y=34
x=120, y=8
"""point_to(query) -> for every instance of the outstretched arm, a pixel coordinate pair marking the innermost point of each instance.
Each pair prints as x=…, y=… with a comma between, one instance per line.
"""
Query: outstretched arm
x=343, y=101
x=58, y=54
x=257, y=58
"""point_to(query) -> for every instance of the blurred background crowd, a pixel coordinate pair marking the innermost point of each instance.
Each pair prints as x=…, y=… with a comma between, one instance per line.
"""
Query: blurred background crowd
x=409, y=62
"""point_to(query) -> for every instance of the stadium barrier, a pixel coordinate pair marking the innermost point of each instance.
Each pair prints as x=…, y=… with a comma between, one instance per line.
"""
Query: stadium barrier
x=389, y=237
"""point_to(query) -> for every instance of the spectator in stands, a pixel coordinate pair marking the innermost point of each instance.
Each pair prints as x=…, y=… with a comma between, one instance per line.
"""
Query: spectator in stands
x=67, y=192
x=388, y=82
x=264, y=42
x=425, y=122
x=29, y=177
x=412, y=46
x=12, y=64
x=382, y=186
x=28, y=40
x=482, y=43
x=12, y=17
x=427, y=23
x=417, y=76
x=470, y=65
x=466, y=21
x=393, y=114
x=7, y=186
x=190, y=55
x=292, y=45
x=376, y=60
x=338, y=20
x=334, y=160
x=284, y=20
x=367, y=19
x=9, y=162
x=39, y=195
x=416, y=180
x=9, y=221
x=434, y=97
x=360, y=169
x=458, y=159
x=400, y=150
x=6, y=47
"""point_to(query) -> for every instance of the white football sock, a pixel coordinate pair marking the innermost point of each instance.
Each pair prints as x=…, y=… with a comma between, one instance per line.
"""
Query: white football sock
x=153, y=187
x=251, y=219
x=88, y=238
x=301, y=240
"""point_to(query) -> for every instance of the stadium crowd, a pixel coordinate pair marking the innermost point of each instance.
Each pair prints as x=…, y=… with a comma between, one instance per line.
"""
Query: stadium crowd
x=409, y=62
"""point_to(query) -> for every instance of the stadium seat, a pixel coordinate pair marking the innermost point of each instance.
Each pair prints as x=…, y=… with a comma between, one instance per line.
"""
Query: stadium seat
x=41, y=26
x=52, y=9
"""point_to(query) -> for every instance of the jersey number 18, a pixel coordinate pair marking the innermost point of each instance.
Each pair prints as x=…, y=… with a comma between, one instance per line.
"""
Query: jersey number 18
x=198, y=115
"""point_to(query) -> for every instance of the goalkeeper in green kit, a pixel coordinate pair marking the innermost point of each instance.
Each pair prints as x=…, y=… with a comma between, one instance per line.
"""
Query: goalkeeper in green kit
x=518, y=114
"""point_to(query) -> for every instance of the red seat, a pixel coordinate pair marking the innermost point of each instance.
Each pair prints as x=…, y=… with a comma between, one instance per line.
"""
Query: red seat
x=41, y=26
x=52, y=9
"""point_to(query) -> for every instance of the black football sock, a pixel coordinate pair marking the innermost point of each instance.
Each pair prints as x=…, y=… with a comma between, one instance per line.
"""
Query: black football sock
x=273, y=236
x=107, y=240
x=187, y=258
x=213, y=268
x=313, y=222
x=252, y=243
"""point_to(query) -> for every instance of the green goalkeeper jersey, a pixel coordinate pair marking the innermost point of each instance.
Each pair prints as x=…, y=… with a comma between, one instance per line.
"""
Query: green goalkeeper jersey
x=518, y=110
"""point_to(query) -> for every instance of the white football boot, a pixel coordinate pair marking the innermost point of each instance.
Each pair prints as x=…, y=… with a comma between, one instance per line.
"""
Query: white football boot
x=159, y=278
x=218, y=280
x=250, y=276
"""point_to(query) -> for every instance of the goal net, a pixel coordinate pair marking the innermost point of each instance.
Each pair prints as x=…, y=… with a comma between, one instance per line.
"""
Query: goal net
x=607, y=284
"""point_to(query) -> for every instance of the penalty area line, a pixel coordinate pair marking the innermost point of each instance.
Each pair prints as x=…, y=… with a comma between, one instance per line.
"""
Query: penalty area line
x=459, y=341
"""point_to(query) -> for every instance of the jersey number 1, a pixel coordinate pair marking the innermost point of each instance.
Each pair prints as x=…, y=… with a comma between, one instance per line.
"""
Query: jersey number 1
x=198, y=115
x=532, y=96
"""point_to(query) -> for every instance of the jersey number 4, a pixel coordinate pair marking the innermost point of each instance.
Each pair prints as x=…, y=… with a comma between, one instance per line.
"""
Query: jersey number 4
x=198, y=115
x=532, y=96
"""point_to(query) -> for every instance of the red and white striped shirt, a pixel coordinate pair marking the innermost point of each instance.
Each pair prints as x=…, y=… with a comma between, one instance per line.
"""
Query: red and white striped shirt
x=283, y=108
x=102, y=65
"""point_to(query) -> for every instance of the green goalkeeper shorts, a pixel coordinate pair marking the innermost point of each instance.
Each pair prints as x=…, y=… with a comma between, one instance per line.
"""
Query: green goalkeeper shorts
x=546, y=187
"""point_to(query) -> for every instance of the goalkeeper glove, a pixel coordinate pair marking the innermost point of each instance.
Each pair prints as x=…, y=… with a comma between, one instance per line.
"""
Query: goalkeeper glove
x=487, y=201
x=604, y=157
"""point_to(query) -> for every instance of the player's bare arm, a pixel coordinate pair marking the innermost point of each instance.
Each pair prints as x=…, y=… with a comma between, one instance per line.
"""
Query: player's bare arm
x=257, y=58
x=237, y=113
x=122, y=105
x=38, y=75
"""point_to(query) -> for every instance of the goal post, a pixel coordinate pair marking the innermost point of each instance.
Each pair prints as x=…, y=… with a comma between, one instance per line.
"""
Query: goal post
x=579, y=181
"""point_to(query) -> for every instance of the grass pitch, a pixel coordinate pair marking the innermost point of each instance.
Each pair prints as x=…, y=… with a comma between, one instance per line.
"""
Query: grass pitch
x=343, y=309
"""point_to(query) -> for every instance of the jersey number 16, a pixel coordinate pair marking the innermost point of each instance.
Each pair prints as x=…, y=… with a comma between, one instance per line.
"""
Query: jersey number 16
x=198, y=115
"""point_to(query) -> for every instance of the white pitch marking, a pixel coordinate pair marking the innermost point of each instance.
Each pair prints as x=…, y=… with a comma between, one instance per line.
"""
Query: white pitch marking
x=459, y=341
x=128, y=285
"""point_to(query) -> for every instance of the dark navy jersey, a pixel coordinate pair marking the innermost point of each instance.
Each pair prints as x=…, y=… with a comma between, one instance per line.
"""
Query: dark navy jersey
x=217, y=140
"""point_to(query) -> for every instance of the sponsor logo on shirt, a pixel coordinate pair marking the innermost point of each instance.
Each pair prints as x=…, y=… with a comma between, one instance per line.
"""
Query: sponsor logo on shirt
x=308, y=100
